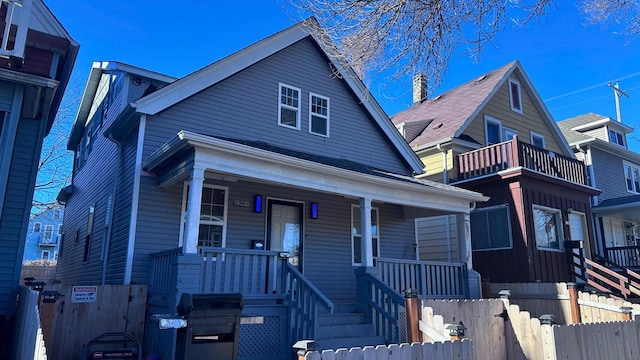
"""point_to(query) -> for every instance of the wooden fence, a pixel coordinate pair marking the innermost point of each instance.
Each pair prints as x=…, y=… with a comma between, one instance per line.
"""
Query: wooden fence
x=28, y=342
x=68, y=326
x=433, y=351
x=45, y=273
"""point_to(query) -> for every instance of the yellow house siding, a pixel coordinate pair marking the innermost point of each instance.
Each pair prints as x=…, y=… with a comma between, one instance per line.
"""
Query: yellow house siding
x=499, y=107
x=432, y=160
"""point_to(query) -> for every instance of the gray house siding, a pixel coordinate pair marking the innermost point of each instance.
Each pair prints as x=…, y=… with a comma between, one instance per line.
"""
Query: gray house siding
x=326, y=243
x=17, y=202
x=609, y=174
x=245, y=106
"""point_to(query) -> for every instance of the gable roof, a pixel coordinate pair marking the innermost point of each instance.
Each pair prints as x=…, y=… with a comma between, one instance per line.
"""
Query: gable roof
x=590, y=121
x=454, y=110
x=240, y=60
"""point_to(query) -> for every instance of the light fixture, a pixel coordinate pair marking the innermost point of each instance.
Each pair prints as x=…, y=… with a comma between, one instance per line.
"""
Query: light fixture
x=313, y=210
x=257, y=203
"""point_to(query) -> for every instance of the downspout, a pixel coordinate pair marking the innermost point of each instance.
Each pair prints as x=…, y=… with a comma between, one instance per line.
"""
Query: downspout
x=447, y=227
x=134, y=201
x=110, y=209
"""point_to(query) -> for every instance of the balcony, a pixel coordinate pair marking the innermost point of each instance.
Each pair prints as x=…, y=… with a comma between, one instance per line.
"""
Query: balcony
x=516, y=154
x=48, y=239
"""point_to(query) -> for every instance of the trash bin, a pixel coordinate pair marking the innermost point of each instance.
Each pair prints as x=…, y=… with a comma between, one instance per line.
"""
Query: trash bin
x=213, y=326
x=112, y=345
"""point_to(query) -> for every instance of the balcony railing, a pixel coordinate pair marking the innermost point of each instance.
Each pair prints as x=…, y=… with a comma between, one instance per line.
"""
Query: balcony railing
x=514, y=153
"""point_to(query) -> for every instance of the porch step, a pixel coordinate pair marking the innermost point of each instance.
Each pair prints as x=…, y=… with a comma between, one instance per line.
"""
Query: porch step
x=345, y=328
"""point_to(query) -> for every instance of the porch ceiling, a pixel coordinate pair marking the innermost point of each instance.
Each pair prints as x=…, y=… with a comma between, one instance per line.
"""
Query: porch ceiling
x=312, y=172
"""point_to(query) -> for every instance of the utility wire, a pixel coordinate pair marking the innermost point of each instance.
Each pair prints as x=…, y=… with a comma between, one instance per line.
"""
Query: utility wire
x=590, y=87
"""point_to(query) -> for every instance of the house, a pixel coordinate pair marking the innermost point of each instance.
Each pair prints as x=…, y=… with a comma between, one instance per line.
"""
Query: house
x=36, y=58
x=601, y=143
x=495, y=136
x=273, y=173
x=43, y=235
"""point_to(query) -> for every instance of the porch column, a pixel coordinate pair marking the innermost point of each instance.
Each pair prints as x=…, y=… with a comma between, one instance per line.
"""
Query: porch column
x=193, y=211
x=366, y=245
x=463, y=221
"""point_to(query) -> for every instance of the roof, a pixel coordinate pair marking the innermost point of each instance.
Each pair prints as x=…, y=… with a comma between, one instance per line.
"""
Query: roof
x=97, y=69
x=591, y=121
x=238, y=61
x=453, y=110
x=573, y=136
x=625, y=200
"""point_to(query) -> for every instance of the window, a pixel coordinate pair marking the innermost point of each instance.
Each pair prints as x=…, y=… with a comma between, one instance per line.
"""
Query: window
x=616, y=138
x=537, y=140
x=55, y=256
x=632, y=177
x=548, y=228
x=36, y=227
x=515, y=96
x=48, y=233
x=356, y=234
x=45, y=255
x=493, y=130
x=87, y=239
x=508, y=134
x=318, y=115
x=56, y=214
x=491, y=228
x=289, y=108
x=213, y=214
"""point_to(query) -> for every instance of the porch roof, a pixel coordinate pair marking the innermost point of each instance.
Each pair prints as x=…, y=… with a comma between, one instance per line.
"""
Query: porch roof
x=265, y=162
x=626, y=208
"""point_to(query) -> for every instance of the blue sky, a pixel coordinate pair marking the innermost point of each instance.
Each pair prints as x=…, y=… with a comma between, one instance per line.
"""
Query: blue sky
x=570, y=63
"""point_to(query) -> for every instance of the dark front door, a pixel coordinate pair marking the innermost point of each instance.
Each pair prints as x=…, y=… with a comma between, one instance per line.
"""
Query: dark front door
x=284, y=229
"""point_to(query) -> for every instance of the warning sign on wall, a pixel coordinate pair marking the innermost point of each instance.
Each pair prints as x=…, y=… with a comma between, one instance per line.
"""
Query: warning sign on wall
x=84, y=294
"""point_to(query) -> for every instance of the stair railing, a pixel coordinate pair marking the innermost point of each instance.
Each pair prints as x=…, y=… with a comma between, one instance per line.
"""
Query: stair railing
x=383, y=306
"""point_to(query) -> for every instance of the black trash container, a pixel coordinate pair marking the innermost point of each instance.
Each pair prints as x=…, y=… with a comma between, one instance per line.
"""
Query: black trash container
x=213, y=326
x=112, y=345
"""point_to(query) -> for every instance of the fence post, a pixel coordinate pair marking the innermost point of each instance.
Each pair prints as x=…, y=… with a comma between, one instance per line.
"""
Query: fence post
x=573, y=300
x=627, y=312
x=302, y=347
x=413, y=327
x=456, y=331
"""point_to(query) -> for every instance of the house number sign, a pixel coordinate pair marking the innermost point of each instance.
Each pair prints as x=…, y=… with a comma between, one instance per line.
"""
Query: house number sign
x=241, y=203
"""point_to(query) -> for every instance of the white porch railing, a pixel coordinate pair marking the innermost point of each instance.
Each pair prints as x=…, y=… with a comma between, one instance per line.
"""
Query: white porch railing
x=432, y=279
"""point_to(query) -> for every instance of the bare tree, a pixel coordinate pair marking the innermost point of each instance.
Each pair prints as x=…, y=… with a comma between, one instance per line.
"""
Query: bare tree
x=408, y=37
x=56, y=162
x=617, y=14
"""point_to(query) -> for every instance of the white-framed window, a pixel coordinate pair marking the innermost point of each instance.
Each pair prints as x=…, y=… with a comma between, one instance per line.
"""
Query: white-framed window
x=289, y=106
x=537, y=140
x=492, y=130
x=616, y=138
x=48, y=232
x=55, y=256
x=515, y=95
x=45, y=255
x=356, y=234
x=508, y=134
x=491, y=228
x=632, y=177
x=36, y=227
x=318, y=115
x=213, y=215
x=56, y=214
x=548, y=228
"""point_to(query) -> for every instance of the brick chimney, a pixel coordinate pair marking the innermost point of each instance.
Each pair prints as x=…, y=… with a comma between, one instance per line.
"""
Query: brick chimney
x=419, y=89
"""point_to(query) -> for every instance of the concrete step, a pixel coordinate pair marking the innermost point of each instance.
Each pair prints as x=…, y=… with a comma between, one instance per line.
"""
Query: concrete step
x=348, y=343
x=341, y=319
x=344, y=331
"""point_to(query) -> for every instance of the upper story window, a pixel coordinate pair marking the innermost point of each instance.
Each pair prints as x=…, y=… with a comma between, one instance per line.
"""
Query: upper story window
x=537, y=140
x=515, y=96
x=548, y=228
x=492, y=130
x=36, y=227
x=48, y=232
x=491, y=228
x=318, y=115
x=616, y=138
x=289, y=107
x=632, y=177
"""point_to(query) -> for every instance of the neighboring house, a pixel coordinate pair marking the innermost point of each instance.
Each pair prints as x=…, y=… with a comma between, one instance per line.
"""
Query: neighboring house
x=494, y=135
x=601, y=143
x=43, y=235
x=250, y=175
x=36, y=58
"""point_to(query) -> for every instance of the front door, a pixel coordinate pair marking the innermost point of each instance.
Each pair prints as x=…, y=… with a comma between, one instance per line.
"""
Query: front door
x=284, y=229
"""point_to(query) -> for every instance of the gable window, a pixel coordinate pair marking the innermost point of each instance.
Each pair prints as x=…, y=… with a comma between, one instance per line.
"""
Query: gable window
x=515, y=96
x=548, y=228
x=289, y=107
x=616, y=138
x=493, y=130
x=632, y=177
x=356, y=234
x=491, y=228
x=318, y=115
x=36, y=227
x=537, y=140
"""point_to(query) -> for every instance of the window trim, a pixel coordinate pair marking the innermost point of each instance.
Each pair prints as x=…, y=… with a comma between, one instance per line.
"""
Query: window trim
x=377, y=212
x=559, y=225
x=42, y=257
x=312, y=114
x=533, y=134
x=488, y=208
x=517, y=83
x=618, y=135
x=631, y=166
x=281, y=105
x=490, y=119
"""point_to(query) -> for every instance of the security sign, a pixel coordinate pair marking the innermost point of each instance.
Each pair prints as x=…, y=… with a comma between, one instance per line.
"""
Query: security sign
x=84, y=294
